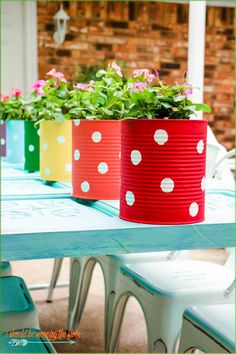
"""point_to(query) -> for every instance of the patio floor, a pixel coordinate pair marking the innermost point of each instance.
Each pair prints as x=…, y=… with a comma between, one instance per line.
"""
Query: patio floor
x=53, y=315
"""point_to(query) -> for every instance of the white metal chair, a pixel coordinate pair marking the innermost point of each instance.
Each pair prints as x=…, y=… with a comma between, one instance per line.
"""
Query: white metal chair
x=164, y=291
x=209, y=329
x=110, y=266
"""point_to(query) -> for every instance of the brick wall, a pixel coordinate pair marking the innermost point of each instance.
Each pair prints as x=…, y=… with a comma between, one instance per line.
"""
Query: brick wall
x=144, y=34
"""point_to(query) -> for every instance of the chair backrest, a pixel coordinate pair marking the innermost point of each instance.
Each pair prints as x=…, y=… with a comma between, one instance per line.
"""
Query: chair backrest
x=230, y=261
x=216, y=165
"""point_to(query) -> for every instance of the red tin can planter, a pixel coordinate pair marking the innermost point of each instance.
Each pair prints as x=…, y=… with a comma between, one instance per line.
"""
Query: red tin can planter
x=163, y=171
x=96, y=159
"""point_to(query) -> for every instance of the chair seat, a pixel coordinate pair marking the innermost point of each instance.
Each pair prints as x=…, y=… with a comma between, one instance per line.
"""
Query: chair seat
x=18, y=344
x=176, y=278
x=217, y=320
x=143, y=257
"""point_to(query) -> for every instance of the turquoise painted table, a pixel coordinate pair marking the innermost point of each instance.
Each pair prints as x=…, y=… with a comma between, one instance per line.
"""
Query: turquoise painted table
x=51, y=226
x=15, y=172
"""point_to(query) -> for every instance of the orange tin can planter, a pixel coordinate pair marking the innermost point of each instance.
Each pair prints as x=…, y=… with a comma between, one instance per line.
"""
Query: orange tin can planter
x=96, y=159
x=55, y=150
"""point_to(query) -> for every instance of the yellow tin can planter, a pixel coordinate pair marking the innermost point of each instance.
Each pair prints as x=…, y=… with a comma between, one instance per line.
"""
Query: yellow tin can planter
x=55, y=150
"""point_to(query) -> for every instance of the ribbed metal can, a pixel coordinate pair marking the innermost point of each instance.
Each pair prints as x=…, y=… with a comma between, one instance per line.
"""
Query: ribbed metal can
x=3, y=138
x=15, y=141
x=31, y=146
x=55, y=150
x=163, y=164
x=96, y=159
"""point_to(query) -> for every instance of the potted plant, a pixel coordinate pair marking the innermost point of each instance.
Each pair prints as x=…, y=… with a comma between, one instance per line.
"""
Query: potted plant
x=55, y=131
x=11, y=113
x=96, y=109
x=163, y=153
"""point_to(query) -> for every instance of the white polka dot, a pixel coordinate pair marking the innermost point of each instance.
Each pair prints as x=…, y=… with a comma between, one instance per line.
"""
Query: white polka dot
x=31, y=148
x=200, y=146
x=15, y=137
x=47, y=171
x=61, y=139
x=167, y=185
x=160, y=137
x=193, y=209
x=45, y=146
x=77, y=122
x=129, y=197
x=76, y=155
x=3, y=141
x=85, y=186
x=96, y=137
x=203, y=183
x=38, y=132
x=119, y=154
x=68, y=167
x=136, y=157
x=102, y=168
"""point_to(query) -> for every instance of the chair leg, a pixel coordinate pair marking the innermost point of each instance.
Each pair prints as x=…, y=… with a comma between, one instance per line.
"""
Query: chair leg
x=117, y=319
x=75, y=278
x=54, y=278
x=163, y=327
x=108, y=310
x=81, y=295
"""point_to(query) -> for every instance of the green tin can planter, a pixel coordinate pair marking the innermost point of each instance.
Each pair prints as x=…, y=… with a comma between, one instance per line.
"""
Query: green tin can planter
x=31, y=146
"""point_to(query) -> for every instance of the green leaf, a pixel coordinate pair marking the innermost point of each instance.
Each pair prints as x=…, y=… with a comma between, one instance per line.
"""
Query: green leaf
x=166, y=105
x=100, y=73
x=59, y=117
x=108, y=112
x=179, y=98
x=203, y=107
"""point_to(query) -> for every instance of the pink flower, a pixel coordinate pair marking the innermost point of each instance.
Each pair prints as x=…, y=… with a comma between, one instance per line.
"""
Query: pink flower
x=138, y=86
x=52, y=72
x=139, y=72
x=57, y=75
x=16, y=92
x=189, y=91
x=83, y=87
x=91, y=82
x=145, y=72
x=4, y=98
x=156, y=73
x=150, y=78
x=39, y=92
x=37, y=85
x=117, y=69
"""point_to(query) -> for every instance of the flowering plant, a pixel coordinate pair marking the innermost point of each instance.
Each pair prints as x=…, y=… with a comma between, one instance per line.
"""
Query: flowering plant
x=160, y=101
x=11, y=106
x=144, y=95
x=105, y=98
x=48, y=98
